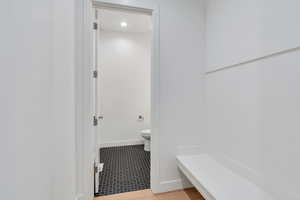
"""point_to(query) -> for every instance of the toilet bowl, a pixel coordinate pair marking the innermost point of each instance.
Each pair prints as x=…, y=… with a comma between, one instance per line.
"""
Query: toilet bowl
x=146, y=134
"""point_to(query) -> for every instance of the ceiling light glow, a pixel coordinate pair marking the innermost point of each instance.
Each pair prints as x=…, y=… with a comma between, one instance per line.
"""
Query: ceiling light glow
x=124, y=24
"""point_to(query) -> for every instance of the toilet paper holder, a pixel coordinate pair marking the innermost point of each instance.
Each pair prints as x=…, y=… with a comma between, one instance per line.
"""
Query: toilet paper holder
x=140, y=118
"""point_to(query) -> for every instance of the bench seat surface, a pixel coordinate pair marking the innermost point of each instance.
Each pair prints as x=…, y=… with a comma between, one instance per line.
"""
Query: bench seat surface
x=218, y=181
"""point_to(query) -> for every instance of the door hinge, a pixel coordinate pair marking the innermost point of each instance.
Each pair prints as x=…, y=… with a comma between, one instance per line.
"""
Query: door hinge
x=95, y=26
x=95, y=121
x=96, y=168
x=95, y=74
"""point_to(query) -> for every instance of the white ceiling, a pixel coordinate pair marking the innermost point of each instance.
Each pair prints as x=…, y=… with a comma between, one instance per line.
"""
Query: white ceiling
x=136, y=22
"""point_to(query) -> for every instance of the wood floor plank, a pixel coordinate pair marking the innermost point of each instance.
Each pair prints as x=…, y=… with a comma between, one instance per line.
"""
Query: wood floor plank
x=138, y=195
x=193, y=194
x=187, y=194
x=176, y=195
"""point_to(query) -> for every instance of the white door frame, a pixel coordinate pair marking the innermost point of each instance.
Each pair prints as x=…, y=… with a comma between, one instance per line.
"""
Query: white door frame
x=85, y=138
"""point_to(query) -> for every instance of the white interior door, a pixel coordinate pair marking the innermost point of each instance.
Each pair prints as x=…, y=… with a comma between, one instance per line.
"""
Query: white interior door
x=95, y=98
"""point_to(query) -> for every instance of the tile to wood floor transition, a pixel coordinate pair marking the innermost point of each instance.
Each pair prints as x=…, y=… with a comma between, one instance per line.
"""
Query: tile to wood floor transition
x=187, y=194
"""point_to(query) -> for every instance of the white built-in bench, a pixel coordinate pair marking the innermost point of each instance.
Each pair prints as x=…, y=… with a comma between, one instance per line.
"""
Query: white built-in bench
x=216, y=182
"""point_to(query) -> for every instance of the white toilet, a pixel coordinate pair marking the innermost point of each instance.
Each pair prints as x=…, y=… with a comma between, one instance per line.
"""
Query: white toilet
x=146, y=134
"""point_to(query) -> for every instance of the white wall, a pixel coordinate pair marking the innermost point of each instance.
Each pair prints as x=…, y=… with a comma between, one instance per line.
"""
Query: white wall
x=181, y=83
x=7, y=104
x=253, y=103
x=37, y=88
x=124, y=86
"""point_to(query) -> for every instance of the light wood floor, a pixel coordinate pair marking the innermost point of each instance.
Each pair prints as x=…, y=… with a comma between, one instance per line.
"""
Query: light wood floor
x=187, y=194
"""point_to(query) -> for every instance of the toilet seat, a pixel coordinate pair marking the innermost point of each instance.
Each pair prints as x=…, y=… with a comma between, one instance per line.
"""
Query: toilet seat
x=146, y=134
x=146, y=131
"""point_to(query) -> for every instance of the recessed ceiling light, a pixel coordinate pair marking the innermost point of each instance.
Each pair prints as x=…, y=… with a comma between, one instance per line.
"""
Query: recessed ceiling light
x=124, y=24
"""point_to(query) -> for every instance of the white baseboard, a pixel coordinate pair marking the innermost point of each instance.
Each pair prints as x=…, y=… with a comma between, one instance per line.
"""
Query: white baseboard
x=121, y=143
x=182, y=182
x=173, y=185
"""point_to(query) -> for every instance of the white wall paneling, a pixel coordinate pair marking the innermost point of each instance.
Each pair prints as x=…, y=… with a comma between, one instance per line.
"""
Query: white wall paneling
x=239, y=31
x=251, y=95
x=37, y=92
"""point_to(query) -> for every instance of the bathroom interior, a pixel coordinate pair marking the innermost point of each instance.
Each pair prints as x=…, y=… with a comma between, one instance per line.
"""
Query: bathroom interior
x=124, y=100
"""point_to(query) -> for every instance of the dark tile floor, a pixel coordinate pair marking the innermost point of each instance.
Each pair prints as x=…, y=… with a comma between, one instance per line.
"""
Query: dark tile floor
x=126, y=169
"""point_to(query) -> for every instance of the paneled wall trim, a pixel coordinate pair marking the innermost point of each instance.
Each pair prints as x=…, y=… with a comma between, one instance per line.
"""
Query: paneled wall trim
x=240, y=64
x=239, y=32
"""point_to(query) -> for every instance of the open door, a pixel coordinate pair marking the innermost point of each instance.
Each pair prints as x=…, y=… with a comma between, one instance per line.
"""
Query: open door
x=97, y=164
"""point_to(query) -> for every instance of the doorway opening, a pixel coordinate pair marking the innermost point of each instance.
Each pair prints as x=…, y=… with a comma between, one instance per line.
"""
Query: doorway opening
x=122, y=100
